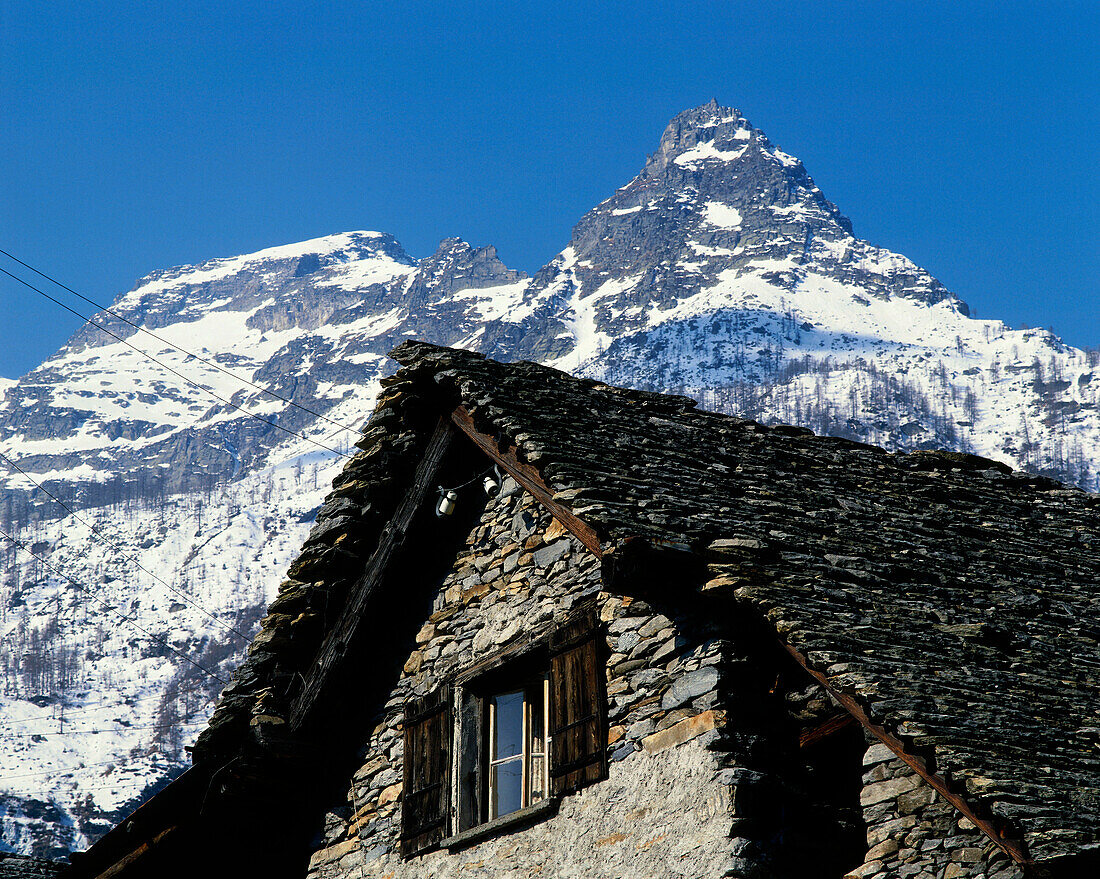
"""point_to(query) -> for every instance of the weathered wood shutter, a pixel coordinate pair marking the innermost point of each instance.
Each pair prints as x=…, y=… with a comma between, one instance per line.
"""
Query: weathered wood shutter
x=426, y=797
x=578, y=706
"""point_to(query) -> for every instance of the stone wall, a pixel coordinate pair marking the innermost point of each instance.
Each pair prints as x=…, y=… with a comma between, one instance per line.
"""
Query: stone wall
x=913, y=832
x=699, y=782
x=666, y=808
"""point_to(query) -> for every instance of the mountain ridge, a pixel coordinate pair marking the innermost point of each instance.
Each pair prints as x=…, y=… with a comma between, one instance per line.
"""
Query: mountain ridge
x=720, y=270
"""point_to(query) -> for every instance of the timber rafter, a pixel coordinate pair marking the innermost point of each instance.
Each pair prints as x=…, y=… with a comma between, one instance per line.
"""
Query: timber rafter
x=1012, y=847
x=339, y=638
x=528, y=476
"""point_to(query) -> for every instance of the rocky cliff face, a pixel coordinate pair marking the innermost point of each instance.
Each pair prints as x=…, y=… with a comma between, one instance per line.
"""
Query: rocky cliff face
x=721, y=270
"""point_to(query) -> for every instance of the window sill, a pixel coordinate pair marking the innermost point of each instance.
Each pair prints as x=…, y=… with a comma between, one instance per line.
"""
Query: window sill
x=504, y=824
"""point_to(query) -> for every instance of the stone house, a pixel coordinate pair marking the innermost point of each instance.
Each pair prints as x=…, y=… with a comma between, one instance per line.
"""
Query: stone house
x=548, y=627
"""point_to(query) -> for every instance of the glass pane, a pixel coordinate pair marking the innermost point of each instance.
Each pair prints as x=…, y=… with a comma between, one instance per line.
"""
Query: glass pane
x=536, y=725
x=506, y=787
x=509, y=724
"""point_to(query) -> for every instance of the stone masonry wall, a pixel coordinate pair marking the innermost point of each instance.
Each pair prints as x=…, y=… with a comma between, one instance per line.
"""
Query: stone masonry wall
x=666, y=808
x=679, y=801
x=913, y=833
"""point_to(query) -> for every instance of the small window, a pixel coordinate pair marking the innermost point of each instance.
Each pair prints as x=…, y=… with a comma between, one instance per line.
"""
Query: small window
x=528, y=726
x=517, y=757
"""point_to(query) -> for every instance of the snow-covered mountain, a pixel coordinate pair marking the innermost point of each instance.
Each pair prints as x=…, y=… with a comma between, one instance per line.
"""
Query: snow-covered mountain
x=721, y=271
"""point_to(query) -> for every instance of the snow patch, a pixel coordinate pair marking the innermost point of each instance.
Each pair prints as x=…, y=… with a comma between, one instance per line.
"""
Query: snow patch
x=706, y=250
x=788, y=161
x=365, y=272
x=581, y=318
x=504, y=302
x=721, y=215
x=706, y=152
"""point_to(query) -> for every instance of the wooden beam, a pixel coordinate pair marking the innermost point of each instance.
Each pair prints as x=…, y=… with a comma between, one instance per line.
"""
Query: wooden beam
x=834, y=724
x=124, y=863
x=340, y=635
x=1011, y=847
x=529, y=477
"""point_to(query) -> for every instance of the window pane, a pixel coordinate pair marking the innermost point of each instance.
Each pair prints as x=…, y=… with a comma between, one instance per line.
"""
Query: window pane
x=506, y=787
x=536, y=723
x=509, y=724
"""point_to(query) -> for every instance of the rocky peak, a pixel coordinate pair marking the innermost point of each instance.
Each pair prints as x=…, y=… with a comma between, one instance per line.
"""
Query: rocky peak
x=715, y=151
x=296, y=260
x=456, y=265
x=718, y=218
x=289, y=275
x=723, y=127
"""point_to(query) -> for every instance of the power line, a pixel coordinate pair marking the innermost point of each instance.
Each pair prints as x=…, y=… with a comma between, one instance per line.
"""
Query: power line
x=164, y=341
x=55, y=770
x=86, y=787
x=92, y=732
x=175, y=372
x=116, y=548
x=117, y=612
x=114, y=706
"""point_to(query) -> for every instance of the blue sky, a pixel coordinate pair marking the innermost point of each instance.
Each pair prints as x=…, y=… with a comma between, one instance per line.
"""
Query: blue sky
x=140, y=136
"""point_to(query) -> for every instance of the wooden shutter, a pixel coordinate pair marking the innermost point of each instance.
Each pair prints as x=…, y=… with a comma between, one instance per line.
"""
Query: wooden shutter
x=426, y=797
x=578, y=706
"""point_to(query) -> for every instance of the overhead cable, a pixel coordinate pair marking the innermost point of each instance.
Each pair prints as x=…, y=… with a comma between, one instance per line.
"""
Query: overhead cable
x=210, y=363
x=175, y=372
x=117, y=612
x=95, y=531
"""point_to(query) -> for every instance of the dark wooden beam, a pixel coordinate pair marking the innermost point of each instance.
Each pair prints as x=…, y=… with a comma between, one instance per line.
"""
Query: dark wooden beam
x=340, y=636
x=119, y=867
x=1011, y=847
x=834, y=724
x=529, y=477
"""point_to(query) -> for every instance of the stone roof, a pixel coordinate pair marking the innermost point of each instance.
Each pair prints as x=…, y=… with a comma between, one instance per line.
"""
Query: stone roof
x=953, y=599
x=14, y=866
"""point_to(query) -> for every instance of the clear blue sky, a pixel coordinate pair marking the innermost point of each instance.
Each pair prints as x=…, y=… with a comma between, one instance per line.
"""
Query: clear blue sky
x=136, y=136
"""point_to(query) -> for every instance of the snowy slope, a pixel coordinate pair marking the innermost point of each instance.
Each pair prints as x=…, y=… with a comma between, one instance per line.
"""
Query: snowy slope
x=200, y=502
x=721, y=270
x=104, y=632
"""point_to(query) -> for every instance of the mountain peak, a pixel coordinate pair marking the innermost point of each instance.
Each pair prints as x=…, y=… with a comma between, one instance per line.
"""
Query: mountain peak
x=457, y=265
x=707, y=115
x=724, y=128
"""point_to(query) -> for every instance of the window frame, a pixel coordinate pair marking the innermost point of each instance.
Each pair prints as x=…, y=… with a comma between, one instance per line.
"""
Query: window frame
x=534, y=691
x=513, y=668
x=510, y=669
x=428, y=730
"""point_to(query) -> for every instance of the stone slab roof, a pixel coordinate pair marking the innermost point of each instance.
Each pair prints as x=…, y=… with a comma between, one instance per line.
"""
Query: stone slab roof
x=954, y=600
x=14, y=866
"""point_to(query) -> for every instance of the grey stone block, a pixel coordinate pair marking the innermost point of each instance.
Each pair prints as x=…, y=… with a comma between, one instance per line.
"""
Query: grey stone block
x=687, y=687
